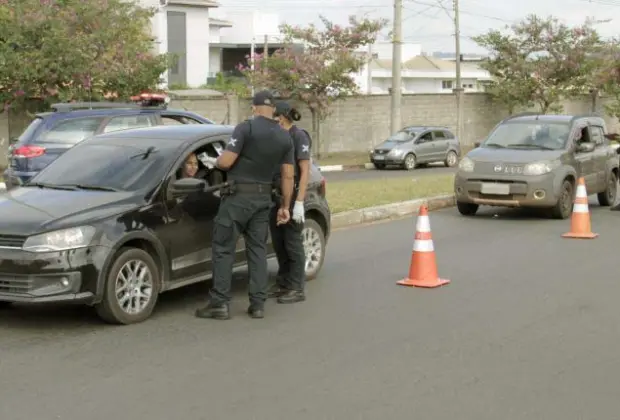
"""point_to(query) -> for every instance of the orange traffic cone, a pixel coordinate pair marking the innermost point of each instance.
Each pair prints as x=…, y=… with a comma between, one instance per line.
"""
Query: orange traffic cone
x=423, y=268
x=580, y=221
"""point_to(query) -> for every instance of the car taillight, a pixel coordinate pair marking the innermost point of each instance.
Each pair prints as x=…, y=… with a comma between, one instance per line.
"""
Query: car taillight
x=28, y=151
x=322, y=188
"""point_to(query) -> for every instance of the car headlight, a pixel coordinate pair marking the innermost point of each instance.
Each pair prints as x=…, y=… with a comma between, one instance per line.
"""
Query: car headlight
x=396, y=152
x=540, y=168
x=466, y=165
x=60, y=240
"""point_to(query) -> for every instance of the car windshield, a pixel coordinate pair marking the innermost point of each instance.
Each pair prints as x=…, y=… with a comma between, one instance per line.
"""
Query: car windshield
x=402, y=136
x=103, y=167
x=529, y=135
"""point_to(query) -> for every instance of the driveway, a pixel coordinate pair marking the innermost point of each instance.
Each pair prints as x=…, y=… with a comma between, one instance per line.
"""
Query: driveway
x=431, y=170
x=528, y=329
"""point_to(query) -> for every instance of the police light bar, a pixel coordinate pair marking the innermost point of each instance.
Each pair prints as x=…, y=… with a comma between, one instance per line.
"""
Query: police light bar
x=151, y=99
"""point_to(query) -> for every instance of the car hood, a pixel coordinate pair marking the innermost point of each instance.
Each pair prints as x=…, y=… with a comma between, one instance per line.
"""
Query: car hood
x=389, y=144
x=29, y=210
x=493, y=155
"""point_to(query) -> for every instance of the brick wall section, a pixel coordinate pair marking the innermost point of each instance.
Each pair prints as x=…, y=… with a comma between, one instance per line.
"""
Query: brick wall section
x=356, y=124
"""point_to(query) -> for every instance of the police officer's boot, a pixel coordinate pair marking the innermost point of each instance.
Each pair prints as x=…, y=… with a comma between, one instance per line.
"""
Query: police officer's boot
x=292, y=296
x=256, y=313
x=277, y=289
x=213, y=312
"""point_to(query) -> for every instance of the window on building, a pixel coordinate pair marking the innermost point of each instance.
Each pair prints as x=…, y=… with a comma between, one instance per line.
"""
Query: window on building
x=446, y=84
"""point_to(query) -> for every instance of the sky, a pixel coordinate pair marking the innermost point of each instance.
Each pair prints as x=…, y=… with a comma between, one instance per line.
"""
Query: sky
x=430, y=22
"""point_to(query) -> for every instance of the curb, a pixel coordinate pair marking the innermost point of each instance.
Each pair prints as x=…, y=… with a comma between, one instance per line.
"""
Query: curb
x=389, y=211
x=338, y=168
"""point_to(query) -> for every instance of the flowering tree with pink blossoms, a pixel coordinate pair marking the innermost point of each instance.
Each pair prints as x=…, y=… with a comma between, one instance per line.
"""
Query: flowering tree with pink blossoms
x=321, y=73
x=61, y=50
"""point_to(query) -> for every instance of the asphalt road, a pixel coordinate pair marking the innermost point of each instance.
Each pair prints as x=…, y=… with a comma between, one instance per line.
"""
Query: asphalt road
x=387, y=173
x=528, y=329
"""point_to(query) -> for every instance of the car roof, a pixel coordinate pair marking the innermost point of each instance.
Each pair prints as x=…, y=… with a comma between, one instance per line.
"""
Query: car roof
x=550, y=118
x=425, y=127
x=104, y=112
x=167, y=133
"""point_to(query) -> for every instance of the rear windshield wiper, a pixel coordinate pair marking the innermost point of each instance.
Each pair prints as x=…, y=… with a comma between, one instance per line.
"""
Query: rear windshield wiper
x=144, y=155
x=94, y=187
x=499, y=146
x=50, y=186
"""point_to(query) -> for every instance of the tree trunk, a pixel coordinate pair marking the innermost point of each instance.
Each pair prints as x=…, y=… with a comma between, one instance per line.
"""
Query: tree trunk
x=316, y=133
x=544, y=107
x=594, y=99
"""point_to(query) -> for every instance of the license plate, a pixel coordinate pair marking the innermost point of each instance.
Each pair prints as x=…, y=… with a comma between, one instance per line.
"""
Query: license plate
x=495, y=189
x=379, y=157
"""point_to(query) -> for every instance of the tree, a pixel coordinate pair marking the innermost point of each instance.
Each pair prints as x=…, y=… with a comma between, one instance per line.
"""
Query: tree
x=61, y=50
x=540, y=61
x=320, y=74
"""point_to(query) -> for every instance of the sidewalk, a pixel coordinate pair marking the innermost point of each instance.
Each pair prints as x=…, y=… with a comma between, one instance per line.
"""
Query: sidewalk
x=337, y=168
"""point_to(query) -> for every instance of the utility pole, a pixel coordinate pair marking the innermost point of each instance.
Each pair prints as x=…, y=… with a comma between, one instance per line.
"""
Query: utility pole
x=458, y=90
x=369, y=71
x=396, y=66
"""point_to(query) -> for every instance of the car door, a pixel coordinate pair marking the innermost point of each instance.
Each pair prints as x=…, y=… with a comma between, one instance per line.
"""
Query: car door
x=423, y=147
x=585, y=160
x=600, y=156
x=440, y=145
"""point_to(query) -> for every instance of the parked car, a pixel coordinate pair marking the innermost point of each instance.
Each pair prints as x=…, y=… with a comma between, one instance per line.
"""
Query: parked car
x=52, y=133
x=532, y=160
x=415, y=146
x=109, y=224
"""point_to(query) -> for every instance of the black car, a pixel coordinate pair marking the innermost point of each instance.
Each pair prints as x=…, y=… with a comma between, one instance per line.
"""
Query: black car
x=51, y=134
x=110, y=224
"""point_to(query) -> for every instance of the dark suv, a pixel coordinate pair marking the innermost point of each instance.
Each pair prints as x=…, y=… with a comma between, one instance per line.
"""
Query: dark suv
x=110, y=223
x=51, y=133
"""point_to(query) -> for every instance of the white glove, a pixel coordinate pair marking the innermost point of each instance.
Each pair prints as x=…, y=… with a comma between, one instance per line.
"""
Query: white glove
x=298, y=212
x=207, y=160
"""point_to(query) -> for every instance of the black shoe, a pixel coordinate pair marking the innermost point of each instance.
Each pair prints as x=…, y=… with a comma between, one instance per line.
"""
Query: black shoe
x=256, y=313
x=292, y=296
x=213, y=312
x=276, y=291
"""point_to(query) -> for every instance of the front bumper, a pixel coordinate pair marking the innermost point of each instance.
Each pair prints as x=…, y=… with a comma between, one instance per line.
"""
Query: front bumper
x=65, y=276
x=522, y=191
x=386, y=159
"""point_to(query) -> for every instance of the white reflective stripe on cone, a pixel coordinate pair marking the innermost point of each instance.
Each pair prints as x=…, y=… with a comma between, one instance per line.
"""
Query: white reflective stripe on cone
x=423, y=245
x=423, y=224
x=581, y=191
x=580, y=208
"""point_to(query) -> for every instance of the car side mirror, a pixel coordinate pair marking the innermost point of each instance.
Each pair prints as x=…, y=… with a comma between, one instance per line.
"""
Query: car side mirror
x=585, y=147
x=186, y=186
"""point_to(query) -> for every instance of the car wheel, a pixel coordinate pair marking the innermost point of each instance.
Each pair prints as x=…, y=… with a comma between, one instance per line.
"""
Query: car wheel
x=132, y=288
x=564, y=206
x=379, y=165
x=410, y=162
x=5, y=305
x=313, y=239
x=467, y=209
x=608, y=197
x=451, y=159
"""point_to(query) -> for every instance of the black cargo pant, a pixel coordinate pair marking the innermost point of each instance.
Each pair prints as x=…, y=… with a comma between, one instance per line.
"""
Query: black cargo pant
x=246, y=214
x=288, y=245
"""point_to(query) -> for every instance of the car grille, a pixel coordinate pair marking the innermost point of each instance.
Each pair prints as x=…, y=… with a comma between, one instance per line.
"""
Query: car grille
x=381, y=151
x=11, y=241
x=15, y=285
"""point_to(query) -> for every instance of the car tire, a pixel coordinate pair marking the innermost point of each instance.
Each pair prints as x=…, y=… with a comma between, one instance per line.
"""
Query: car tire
x=6, y=305
x=608, y=197
x=564, y=206
x=313, y=238
x=410, y=162
x=110, y=309
x=379, y=165
x=467, y=209
x=452, y=159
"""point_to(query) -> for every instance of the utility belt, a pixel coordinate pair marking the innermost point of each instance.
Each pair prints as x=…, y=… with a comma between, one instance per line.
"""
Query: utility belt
x=252, y=188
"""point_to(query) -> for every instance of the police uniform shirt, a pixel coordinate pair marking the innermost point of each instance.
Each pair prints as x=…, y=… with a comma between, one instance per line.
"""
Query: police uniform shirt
x=301, y=143
x=263, y=146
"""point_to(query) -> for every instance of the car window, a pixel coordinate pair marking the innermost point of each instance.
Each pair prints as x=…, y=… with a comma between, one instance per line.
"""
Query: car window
x=127, y=122
x=72, y=131
x=29, y=131
x=448, y=134
x=104, y=165
x=552, y=135
x=439, y=135
x=401, y=136
x=425, y=137
x=178, y=120
x=597, y=135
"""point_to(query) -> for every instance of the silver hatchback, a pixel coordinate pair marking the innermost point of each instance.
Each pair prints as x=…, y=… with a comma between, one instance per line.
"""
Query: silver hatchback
x=415, y=146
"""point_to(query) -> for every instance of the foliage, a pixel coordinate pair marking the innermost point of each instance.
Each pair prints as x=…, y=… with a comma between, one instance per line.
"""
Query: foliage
x=61, y=50
x=540, y=61
x=321, y=73
x=230, y=84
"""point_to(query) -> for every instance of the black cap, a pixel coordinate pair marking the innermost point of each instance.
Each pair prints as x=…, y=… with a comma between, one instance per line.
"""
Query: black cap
x=283, y=108
x=264, y=97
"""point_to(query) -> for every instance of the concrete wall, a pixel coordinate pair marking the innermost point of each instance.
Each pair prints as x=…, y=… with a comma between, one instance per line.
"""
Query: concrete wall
x=358, y=123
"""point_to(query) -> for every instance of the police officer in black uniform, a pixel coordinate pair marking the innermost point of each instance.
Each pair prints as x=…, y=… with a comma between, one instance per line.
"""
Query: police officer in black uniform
x=257, y=148
x=286, y=238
